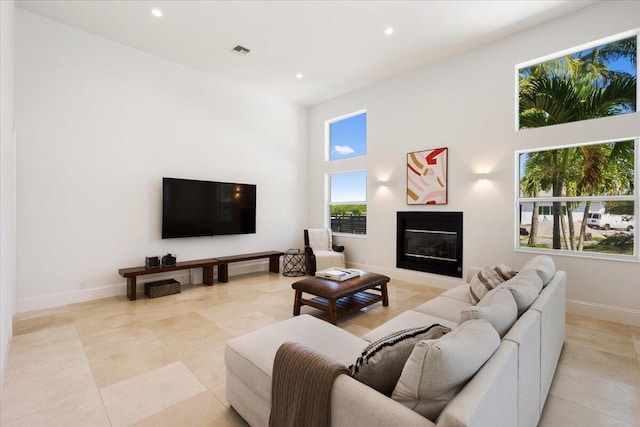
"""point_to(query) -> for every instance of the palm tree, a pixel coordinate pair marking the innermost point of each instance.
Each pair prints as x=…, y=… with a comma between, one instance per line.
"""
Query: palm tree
x=578, y=87
x=594, y=158
x=536, y=178
x=569, y=89
x=555, y=98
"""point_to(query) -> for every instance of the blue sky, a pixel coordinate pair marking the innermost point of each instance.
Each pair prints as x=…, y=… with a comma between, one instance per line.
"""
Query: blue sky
x=623, y=65
x=348, y=137
x=349, y=186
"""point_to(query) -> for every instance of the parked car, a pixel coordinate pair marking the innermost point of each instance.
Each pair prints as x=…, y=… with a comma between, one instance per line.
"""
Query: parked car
x=607, y=222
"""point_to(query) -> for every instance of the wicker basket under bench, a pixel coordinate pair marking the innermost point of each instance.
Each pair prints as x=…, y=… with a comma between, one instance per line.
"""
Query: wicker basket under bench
x=160, y=288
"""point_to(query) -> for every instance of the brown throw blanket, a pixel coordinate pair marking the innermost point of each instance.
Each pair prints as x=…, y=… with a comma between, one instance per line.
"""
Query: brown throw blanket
x=301, y=387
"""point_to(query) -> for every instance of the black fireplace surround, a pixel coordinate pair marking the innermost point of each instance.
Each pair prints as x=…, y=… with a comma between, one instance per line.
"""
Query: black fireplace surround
x=430, y=242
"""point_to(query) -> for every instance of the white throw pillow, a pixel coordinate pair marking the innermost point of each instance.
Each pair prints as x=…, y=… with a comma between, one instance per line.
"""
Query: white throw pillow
x=544, y=266
x=487, y=279
x=525, y=288
x=438, y=369
x=498, y=307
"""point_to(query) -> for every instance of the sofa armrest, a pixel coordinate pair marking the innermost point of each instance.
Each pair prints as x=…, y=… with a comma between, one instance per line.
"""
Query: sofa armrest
x=551, y=306
x=354, y=404
x=337, y=248
x=491, y=397
x=526, y=334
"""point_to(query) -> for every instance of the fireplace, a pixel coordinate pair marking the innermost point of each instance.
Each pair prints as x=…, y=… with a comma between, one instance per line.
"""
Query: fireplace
x=430, y=242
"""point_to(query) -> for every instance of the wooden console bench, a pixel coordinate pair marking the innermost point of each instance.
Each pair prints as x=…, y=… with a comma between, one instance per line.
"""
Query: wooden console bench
x=223, y=262
x=132, y=273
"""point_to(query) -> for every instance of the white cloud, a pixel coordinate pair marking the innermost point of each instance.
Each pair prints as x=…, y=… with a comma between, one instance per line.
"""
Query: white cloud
x=343, y=149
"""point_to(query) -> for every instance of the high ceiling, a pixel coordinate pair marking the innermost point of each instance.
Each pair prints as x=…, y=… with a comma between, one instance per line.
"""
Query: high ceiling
x=338, y=46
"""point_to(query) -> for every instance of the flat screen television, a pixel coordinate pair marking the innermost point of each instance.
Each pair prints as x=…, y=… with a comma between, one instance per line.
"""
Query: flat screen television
x=193, y=208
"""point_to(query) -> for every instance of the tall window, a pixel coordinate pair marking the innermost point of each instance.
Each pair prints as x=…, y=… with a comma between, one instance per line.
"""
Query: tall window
x=593, y=82
x=347, y=138
x=580, y=199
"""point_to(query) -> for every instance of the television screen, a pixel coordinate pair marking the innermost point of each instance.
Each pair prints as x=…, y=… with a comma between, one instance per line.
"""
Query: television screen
x=235, y=208
x=204, y=208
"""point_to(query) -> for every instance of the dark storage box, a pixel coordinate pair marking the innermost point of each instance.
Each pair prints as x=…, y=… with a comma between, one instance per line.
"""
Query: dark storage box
x=161, y=288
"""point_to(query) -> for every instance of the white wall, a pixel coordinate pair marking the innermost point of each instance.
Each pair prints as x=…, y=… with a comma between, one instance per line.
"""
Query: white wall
x=467, y=103
x=7, y=183
x=100, y=124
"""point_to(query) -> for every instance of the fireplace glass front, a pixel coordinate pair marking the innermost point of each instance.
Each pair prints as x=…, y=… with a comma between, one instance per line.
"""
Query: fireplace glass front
x=430, y=244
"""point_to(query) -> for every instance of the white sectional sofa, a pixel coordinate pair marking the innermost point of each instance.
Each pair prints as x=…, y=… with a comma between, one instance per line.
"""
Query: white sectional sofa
x=510, y=389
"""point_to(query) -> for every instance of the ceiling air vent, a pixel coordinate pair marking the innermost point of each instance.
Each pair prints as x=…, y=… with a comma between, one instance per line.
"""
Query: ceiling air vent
x=240, y=50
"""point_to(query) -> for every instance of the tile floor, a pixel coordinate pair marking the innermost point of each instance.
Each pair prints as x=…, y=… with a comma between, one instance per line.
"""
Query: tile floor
x=159, y=362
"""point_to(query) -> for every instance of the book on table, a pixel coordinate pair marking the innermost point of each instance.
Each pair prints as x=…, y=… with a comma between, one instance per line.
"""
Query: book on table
x=338, y=273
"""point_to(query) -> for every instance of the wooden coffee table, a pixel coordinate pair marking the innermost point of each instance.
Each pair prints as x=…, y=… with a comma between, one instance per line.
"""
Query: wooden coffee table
x=340, y=298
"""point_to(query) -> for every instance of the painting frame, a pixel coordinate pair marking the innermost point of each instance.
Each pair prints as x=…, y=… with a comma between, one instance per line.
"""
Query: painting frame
x=427, y=172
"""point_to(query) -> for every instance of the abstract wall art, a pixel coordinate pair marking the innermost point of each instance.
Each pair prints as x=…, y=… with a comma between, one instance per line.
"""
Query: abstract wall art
x=427, y=177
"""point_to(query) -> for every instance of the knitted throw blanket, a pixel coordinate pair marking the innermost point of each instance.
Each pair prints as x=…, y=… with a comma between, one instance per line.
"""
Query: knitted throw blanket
x=301, y=387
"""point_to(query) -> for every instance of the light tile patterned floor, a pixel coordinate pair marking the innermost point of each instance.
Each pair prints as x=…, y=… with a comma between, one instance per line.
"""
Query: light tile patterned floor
x=159, y=362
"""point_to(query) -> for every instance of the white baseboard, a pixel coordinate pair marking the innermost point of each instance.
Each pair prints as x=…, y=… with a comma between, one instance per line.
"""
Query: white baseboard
x=116, y=289
x=69, y=297
x=604, y=312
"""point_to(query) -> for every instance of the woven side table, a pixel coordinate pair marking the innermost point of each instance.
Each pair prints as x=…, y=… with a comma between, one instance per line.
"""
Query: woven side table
x=294, y=264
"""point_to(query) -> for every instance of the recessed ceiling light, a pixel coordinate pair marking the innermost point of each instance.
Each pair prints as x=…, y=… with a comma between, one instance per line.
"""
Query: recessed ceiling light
x=156, y=12
x=299, y=75
x=388, y=31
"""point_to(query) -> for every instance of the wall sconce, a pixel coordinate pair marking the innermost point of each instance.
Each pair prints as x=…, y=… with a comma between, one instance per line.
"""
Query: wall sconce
x=383, y=178
x=484, y=176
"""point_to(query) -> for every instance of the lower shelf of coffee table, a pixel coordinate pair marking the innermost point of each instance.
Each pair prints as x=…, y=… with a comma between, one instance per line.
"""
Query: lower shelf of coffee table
x=346, y=304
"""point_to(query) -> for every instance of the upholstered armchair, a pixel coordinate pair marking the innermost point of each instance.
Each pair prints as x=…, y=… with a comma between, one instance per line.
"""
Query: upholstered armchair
x=320, y=250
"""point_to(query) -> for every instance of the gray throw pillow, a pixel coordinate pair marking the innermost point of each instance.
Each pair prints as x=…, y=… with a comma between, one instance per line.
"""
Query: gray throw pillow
x=525, y=288
x=487, y=279
x=438, y=369
x=381, y=362
x=498, y=307
x=544, y=266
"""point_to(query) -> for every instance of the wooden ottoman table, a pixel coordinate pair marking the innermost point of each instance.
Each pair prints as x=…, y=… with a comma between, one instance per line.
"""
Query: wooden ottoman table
x=339, y=298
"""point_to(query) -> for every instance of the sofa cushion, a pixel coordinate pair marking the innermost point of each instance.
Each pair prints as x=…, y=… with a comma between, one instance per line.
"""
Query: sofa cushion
x=381, y=362
x=460, y=292
x=544, y=266
x=498, y=307
x=438, y=369
x=525, y=288
x=444, y=308
x=406, y=319
x=487, y=279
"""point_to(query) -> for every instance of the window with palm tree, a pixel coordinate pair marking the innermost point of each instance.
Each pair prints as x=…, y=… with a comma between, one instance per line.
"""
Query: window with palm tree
x=589, y=84
x=579, y=199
